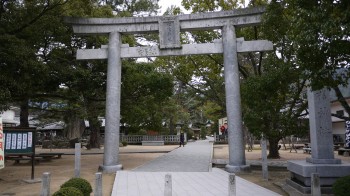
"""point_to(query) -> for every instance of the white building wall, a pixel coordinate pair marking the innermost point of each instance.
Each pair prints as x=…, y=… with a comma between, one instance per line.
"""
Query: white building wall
x=9, y=117
x=338, y=127
x=336, y=106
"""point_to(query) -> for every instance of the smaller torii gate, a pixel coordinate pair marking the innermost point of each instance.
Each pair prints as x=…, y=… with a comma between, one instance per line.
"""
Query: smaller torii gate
x=169, y=28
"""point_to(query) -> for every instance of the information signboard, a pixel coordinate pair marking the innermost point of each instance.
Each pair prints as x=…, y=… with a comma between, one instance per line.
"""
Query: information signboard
x=19, y=141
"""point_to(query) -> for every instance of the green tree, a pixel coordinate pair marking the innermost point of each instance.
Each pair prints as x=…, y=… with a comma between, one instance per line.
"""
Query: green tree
x=26, y=73
x=256, y=69
x=310, y=40
x=145, y=91
x=275, y=105
x=319, y=32
x=39, y=69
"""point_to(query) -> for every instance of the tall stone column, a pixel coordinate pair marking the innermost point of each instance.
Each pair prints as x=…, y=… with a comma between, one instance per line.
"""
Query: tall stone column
x=111, y=142
x=322, y=159
x=321, y=128
x=237, y=161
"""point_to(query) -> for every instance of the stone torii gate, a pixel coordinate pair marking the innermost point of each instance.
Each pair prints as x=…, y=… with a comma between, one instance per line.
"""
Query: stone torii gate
x=169, y=28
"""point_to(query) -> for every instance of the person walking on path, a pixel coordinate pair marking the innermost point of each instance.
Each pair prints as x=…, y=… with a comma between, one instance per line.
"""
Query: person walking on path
x=182, y=140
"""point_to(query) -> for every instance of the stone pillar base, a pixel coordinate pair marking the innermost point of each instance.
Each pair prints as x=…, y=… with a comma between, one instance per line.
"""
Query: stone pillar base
x=306, y=190
x=110, y=168
x=301, y=171
x=237, y=169
x=323, y=161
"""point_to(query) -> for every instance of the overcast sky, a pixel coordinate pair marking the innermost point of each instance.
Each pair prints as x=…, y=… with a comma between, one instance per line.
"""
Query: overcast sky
x=164, y=4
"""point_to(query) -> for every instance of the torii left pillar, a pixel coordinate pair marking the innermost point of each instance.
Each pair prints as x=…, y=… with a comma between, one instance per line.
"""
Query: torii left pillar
x=237, y=161
x=111, y=157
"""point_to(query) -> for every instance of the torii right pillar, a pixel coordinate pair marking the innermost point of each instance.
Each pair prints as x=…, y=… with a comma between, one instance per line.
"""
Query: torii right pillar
x=237, y=162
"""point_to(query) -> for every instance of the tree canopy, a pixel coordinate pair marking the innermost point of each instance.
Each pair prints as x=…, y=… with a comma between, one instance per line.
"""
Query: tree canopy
x=40, y=74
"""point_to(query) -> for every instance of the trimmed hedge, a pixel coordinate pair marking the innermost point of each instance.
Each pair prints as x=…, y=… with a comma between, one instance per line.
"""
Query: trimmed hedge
x=79, y=183
x=68, y=191
x=341, y=186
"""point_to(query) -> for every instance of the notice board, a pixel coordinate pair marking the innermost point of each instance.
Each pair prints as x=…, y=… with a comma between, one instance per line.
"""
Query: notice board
x=19, y=140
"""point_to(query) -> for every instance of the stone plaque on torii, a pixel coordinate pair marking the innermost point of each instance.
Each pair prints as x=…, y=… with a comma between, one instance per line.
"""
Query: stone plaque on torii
x=169, y=28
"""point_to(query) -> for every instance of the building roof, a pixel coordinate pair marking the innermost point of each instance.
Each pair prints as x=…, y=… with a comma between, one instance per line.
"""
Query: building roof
x=52, y=126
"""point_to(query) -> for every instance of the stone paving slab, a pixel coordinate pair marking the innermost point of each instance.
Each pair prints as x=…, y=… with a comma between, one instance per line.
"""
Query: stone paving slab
x=215, y=183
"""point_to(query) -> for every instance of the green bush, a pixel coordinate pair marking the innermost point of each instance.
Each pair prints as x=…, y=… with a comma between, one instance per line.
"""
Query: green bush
x=68, y=191
x=190, y=135
x=125, y=143
x=79, y=183
x=141, y=132
x=341, y=186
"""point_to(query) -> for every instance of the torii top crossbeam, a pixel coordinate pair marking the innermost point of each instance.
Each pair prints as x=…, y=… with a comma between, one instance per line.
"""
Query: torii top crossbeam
x=169, y=28
x=188, y=22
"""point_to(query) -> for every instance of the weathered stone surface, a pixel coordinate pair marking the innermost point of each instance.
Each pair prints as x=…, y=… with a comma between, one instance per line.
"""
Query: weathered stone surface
x=232, y=185
x=45, y=184
x=168, y=188
x=315, y=185
x=132, y=25
x=111, y=150
x=187, y=49
x=77, y=159
x=98, y=184
x=302, y=170
x=237, y=160
x=320, y=126
x=169, y=32
x=264, y=164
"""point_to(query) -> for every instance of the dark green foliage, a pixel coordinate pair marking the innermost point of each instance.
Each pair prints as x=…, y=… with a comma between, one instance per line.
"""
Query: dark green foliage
x=298, y=27
x=341, y=186
x=144, y=92
x=68, y=191
x=125, y=143
x=79, y=183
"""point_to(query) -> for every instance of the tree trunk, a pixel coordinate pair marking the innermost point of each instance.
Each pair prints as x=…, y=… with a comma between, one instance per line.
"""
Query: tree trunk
x=75, y=126
x=273, y=149
x=24, y=114
x=171, y=126
x=94, y=126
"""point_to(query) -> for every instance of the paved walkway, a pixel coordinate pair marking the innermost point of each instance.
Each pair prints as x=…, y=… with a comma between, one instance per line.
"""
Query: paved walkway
x=191, y=173
x=194, y=157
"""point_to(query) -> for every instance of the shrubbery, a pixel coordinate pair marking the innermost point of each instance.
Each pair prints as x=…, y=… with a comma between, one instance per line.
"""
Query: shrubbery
x=341, y=186
x=68, y=191
x=124, y=143
x=79, y=183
